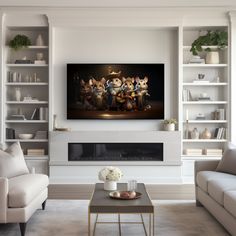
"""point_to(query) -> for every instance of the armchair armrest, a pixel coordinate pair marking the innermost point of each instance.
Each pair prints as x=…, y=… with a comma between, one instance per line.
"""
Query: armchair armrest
x=209, y=165
x=3, y=199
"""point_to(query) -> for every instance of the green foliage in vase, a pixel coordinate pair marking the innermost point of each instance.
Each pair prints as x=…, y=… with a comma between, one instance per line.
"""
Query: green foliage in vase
x=19, y=41
x=212, y=38
x=170, y=121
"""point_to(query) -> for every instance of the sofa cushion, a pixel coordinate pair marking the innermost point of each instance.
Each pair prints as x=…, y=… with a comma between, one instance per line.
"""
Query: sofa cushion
x=217, y=188
x=23, y=189
x=228, y=162
x=230, y=202
x=203, y=177
x=12, y=162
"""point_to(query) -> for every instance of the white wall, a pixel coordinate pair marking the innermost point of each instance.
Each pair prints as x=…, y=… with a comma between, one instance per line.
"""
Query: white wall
x=113, y=45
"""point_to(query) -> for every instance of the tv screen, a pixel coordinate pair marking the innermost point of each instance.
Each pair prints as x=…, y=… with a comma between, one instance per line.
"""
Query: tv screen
x=115, y=91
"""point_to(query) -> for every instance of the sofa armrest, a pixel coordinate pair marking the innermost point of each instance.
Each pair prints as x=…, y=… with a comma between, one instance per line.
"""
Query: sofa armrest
x=209, y=165
x=3, y=199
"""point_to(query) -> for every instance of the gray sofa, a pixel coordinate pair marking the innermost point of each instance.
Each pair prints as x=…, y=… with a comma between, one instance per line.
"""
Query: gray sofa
x=216, y=191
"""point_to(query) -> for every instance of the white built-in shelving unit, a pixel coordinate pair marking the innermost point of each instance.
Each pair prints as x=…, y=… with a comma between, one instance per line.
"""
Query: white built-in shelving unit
x=33, y=81
x=217, y=89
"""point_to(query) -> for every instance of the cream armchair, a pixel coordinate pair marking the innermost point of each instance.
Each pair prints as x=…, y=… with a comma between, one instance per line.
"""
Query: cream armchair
x=22, y=193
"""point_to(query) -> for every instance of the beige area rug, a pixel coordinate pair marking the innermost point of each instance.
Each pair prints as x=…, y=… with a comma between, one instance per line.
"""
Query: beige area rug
x=69, y=217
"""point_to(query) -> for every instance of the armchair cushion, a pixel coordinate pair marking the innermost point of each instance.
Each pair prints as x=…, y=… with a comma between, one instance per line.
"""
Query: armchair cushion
x=23, y=189
x=228, y=162
x=12, y=162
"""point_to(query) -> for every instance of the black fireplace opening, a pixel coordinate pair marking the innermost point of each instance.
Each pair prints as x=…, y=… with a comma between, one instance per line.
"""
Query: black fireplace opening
x=115, y=151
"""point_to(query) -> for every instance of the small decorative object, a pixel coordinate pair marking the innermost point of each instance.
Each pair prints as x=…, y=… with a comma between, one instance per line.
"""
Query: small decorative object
x=132, y=185
x=197, y=60
x=169, y=124
x=26, y=136
x=19, y=42
x=200, y=116
x=18, y=94
x=212, y=58
x=14, y=77
x=206, y=134
x=39, y=40
x=39, y=56
x=110, y=175
x=212, y=38
x=195, y=134
x=201, y=76
x=33, y=170
x=125, y=195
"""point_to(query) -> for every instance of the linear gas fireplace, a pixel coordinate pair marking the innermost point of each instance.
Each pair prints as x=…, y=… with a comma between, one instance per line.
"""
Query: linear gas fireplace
x=115, y=151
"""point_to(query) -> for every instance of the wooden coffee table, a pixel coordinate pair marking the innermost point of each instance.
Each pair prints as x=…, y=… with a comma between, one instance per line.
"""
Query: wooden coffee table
x=101, y=203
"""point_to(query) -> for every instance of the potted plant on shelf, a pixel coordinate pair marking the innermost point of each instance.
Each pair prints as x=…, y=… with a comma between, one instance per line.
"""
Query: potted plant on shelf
x=212, y=38
x=19, y=42
x=169, y=124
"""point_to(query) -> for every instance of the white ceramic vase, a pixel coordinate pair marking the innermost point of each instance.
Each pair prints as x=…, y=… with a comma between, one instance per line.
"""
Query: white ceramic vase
x=110, y=185
x=170, y=127
x=39, y=40
x=212, y=58
x=18, y=94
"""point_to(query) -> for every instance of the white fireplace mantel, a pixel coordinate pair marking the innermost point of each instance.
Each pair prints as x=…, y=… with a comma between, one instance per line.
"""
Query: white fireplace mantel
x=62, y=170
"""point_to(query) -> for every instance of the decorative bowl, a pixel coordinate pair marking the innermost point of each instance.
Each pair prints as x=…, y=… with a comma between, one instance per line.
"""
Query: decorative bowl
x=26, y=136
x=114, y=196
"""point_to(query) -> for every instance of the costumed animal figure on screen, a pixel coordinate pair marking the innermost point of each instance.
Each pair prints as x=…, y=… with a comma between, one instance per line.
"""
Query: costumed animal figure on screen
x=129, y=93
x=86, y=93
x=99, y=93
x=141, y=88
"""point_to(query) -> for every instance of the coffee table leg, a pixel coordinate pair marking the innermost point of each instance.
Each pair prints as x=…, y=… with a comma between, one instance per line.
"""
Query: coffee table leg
x=119, y=225
x=153, y=224
x=88, y=222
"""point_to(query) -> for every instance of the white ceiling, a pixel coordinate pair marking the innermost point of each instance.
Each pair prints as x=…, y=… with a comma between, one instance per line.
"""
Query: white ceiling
x=118, y=3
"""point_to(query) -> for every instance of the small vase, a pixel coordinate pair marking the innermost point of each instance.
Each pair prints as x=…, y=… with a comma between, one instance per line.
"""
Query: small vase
x=18, y=94
x=170, y=127
x=39, y=40
x=212, y=58
x=206, y=134
x=110, y=185
x=195, y=134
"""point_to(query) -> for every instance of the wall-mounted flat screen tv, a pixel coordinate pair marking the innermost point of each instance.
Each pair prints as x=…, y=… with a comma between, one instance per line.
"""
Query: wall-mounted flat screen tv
x=115, y=91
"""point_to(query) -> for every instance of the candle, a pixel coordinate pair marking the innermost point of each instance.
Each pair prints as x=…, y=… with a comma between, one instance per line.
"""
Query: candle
x=186, y=114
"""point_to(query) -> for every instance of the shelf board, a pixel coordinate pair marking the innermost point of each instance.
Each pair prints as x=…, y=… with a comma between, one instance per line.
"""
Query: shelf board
x=204, y=84
x=26, y=121
x=204, y=140
x=205, y=121
x=26, y=140
x=200, y=157
x=187, y=47
x=27, y=65
x=205, y=65
x=22, y=102
x=26, y=84
x=29, y=157
x=28, y=28
x=204, y=102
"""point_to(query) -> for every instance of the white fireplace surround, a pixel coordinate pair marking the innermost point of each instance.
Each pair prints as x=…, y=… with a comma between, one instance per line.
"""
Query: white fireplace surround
x=64, y=171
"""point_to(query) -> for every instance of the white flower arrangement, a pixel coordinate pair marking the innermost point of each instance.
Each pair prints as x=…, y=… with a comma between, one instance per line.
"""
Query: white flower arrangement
x=110, y=173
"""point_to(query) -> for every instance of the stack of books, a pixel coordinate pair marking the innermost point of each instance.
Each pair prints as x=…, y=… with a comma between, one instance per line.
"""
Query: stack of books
x=193, y=151
x=220, y=133
x=40, y=113
x=213, y=152
x=187, y=95
x=35, y=152
x=41, y=135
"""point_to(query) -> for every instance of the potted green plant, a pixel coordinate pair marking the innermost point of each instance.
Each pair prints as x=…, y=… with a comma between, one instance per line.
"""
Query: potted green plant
x=169, y=124
x=212, y=38
x=19, y=41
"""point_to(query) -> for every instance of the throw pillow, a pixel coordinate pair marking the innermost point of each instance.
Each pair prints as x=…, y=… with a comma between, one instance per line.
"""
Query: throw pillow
x=12, y=162
x=228, y=162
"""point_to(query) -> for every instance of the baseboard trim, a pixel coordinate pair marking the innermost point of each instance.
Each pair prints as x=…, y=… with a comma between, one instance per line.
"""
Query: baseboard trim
x=156, y=191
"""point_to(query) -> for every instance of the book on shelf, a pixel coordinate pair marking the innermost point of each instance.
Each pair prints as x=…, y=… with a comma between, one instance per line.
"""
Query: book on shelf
x=219, y=114
x=187, y=96
x=220, y=133
x=193, y=151
x=10, y=133
x=213, y=151
x=35, y=152
x=41, y=134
